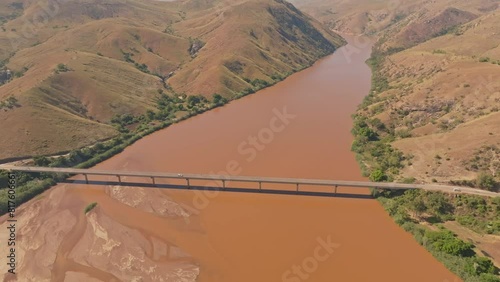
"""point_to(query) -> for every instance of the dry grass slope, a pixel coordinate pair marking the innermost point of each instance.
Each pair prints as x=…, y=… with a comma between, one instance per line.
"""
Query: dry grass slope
x=442, y=68
x=76, y=64
x=447, y=96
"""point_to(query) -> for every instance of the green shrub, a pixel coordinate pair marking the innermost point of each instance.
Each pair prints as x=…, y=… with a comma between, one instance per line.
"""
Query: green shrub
x=481, y=265
x=378, y=176
x=25, y=192
x=487, y=181
x=62, y=68
x=488, y=277
x=218, y=99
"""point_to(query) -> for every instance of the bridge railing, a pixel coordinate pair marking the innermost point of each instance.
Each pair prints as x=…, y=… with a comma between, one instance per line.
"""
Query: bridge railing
x=252, y=179
x=222, y=178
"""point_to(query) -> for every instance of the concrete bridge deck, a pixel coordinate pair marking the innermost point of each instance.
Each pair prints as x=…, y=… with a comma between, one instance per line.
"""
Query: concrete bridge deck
x=223, y=179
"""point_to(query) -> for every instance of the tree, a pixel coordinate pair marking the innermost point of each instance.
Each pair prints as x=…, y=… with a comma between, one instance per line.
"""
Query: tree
x=99, y=147
x=446, y=241
x=378, y=124
x=378, y=175
x=368, y=133
x=486, y=181
x=150, y=115
x=481, y=265
x=41, y=161
x=75, y=156
x=59, y=162
x=218, y=99
x=457, y=247
x=4, y=178
x=193, y=100
x=438, y=204
x=418, y=206
x=484, y=265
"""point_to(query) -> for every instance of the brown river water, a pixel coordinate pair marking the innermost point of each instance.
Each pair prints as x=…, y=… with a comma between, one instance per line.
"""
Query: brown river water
x=298, y=128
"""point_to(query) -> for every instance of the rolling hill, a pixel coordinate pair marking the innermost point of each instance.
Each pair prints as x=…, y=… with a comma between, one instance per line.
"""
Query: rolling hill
x=71, y=66
x=436, y=84
x=444, y=95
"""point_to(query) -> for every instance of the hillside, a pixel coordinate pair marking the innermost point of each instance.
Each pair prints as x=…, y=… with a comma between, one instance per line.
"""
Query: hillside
x=452, y=104
x=71, y=67
x=352, y=17
x=270, y=42
x=436, y=84
x=440, y=98
x=402, y=19
x=433, y=116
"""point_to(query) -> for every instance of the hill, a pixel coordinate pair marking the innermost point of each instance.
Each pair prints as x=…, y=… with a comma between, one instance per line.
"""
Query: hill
x=436, y=84
x=432, y=116
x=70, y=67
x=452, y=104
x=419, y=18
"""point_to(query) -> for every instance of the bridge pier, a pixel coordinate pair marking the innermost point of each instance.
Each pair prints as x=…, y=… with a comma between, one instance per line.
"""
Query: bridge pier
x=260, y=185
x=86, y=178
x=119, y=179
x=297, y=187
x=153, y=180
x=187, y=180
x=223, y=183
x=335, y=191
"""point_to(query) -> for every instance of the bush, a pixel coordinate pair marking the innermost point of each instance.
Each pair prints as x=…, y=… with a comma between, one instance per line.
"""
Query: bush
x=378, y=176
x=438, y=204
x=481, y=265
x=446, y=241
x=260, y=83
x=486, y=181
x=487, y=277
x=25, y=192
x=61, y=68
x=4, y=179
x=41, y=161
x=217, y=99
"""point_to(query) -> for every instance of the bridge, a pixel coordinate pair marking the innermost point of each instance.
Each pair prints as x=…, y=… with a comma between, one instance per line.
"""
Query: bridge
x=224, y=179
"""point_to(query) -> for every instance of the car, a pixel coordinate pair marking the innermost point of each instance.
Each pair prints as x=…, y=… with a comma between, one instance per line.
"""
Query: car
x=457, y=190
x=179, y=174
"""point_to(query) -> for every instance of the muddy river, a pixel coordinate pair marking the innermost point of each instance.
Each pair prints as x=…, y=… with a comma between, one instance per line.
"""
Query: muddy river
x=298, y=128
